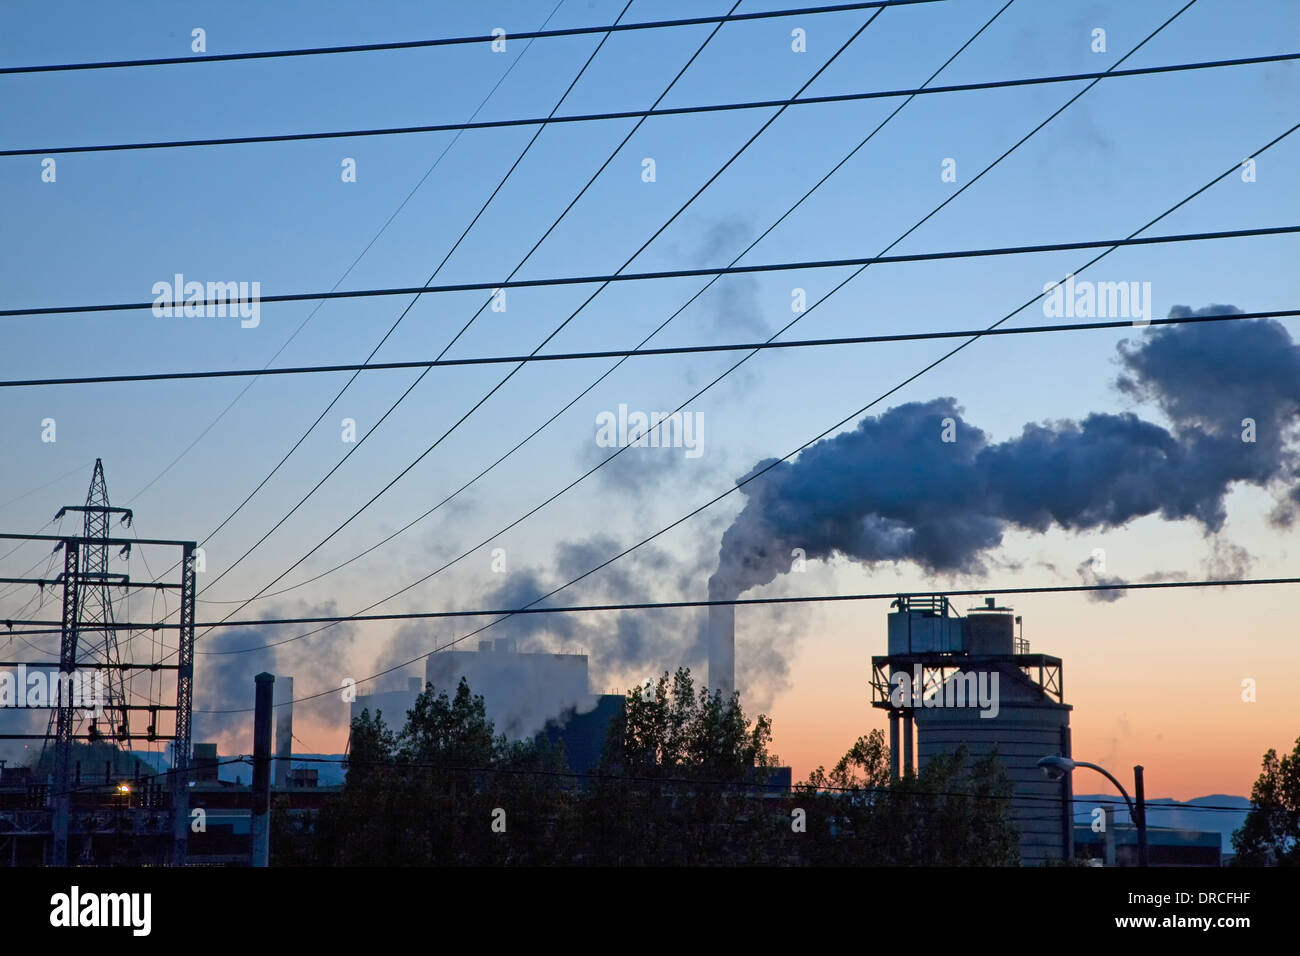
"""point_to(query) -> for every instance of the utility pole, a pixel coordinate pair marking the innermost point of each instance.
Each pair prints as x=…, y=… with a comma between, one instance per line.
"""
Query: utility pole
x=65, y=716
x=1139, y=786
x=89, y=656
x=184, y=703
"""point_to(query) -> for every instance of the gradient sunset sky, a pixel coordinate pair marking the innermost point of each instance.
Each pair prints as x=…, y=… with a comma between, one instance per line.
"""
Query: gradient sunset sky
x=1154, y=677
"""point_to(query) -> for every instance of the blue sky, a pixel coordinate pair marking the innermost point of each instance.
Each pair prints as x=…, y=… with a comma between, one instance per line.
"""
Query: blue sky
x=113, y=224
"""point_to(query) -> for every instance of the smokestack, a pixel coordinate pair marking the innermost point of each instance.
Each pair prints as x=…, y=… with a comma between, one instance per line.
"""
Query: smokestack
x=260, y=825
x=283, y=729
x=722, y=649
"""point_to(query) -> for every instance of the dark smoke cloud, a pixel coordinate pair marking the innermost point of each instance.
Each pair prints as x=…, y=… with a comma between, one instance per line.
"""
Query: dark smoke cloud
x=640, y=643
x=1214, y=377
x=225, y=681
x=638, y=470
x=732, y=304
x=892, y=490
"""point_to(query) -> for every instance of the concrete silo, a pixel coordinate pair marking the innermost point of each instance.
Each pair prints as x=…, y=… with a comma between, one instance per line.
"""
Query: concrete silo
x=953, y=680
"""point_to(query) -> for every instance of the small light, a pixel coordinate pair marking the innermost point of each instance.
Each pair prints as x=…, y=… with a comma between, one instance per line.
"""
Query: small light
x=123, y=788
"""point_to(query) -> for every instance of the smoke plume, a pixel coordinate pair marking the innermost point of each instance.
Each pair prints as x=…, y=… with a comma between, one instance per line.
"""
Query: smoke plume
x=919, y=483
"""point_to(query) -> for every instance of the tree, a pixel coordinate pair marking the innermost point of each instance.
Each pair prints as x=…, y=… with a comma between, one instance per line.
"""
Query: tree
x=292, y=837
x=671, y=731
x=868, y=755
x=352, y=829
x=445, y=790
x=947, y=815
x=448, y=732
x=682, y=781
x=1270, y=835
x=685, y=780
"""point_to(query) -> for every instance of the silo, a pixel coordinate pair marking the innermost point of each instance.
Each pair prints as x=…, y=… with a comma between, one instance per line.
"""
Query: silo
x=976, y=690
x=1028, y=724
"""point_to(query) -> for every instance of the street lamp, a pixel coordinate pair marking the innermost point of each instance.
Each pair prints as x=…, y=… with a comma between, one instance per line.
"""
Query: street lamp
x=1056, y=767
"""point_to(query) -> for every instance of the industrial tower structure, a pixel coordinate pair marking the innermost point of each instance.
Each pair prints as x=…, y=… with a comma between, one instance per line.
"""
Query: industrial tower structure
x=953, y=681
x=88, y=643
x=92, y=610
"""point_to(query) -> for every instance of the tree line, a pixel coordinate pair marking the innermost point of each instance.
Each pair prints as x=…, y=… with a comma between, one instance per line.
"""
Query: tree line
x=686, y=778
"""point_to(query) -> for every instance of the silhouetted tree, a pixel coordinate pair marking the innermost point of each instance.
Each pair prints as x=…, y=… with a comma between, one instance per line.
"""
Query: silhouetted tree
x=947, y=815
x=682, y=780
x=1270, y=835
x=445, y=790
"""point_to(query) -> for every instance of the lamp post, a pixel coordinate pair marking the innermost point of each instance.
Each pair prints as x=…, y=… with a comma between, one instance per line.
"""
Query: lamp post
x=1056, y=767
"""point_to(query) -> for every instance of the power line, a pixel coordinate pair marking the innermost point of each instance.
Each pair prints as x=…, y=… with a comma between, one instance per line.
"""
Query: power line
x=609, y=371
x=643, y=114
x=764, y=470
x=41, y=582
x=47, y=559
x=678, y=605
x=451, y=251
x=556, y=331
x=999, y=332
x=404, y=313
x=774, y=462
x=1036, y=297
x=52, y=481
x=452, y=41
x=640, y=352
x=741, y=602
x=619, y=451
x=862, y=261
x=768, y=123
x=573, y=202
x=348, y=271
x=609, y=458
x=769, y=229
x=38, y=530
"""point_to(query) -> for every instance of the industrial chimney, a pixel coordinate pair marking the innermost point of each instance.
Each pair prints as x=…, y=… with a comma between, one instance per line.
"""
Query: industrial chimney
x=283, y=729
x=722, y=649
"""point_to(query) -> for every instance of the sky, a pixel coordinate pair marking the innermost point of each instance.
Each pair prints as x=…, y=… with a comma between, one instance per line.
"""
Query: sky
x=1155, y=678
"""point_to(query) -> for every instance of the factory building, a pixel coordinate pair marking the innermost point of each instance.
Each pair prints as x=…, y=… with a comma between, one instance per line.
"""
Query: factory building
x=521, y=691
x=391, y=704
x=524, y=695
x=582, y=732
x=951, y=680
x=1168, y=846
